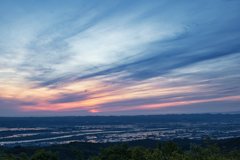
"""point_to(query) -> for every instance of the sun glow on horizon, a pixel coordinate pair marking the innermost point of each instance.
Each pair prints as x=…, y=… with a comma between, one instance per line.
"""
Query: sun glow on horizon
x=94, y=111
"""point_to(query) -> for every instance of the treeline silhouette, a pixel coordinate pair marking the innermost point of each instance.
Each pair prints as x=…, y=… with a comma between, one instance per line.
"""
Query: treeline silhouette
x=178, y=149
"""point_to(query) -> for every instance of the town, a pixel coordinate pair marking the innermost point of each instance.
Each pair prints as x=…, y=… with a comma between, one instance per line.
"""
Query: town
x=171, y=127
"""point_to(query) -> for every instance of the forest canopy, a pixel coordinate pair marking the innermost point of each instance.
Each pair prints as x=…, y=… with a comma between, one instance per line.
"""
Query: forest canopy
x=165, y=151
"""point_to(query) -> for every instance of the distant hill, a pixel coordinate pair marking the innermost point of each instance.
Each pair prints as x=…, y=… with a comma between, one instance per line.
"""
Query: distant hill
x=110, y=120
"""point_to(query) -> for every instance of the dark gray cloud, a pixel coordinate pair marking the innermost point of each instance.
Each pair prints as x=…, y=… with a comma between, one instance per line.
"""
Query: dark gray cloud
x=74, y=97
x=10, y=106
x=8, y=102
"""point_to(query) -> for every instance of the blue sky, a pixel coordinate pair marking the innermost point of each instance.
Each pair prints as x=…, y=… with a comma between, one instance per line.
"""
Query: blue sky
x=119, y=57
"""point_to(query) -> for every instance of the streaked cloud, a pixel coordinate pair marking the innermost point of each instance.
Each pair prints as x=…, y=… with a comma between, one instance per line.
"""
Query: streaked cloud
x=119, y=57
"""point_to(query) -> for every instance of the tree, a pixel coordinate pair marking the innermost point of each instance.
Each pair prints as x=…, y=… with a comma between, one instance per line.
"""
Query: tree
x=43, y=155
x=79, y=155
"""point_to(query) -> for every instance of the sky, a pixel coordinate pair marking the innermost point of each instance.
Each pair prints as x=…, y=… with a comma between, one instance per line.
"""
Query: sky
x=119, y=57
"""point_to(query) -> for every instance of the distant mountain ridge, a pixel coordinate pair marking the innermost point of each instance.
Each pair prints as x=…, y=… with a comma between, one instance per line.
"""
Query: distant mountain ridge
x=104, y=120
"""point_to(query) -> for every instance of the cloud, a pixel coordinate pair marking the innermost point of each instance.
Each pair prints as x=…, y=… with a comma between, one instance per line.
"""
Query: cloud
x=73, y=97
x=187, y=47
x=119, y=48
x=10, y=106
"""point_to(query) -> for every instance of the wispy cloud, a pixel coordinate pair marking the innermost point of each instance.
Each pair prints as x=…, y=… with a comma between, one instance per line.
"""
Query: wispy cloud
x=92, y=56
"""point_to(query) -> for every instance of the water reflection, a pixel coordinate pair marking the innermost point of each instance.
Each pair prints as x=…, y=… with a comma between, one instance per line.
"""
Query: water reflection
x=22, y=129
x=115, y=133
x=20, y=135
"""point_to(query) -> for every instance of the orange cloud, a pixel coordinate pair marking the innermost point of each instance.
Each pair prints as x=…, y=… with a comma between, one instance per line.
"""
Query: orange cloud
x=171, y=104
x=99, y=93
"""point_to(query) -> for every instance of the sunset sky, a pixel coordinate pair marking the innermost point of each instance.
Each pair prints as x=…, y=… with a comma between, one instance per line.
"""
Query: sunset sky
x=119, y=57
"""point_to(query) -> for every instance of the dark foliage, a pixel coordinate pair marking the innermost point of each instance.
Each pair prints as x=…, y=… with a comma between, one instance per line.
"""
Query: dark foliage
x=134, y=150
